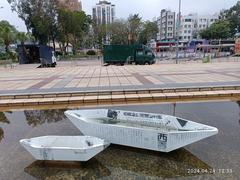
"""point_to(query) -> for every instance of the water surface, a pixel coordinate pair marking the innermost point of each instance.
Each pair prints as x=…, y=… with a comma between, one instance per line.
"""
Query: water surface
x=217, y=157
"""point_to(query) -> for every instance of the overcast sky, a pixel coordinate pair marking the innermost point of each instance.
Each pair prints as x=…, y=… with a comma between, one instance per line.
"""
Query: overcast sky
x=148, y=9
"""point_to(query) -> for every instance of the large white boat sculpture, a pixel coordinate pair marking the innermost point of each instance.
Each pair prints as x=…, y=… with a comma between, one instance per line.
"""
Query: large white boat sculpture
x=64, y=148
x=141, y=130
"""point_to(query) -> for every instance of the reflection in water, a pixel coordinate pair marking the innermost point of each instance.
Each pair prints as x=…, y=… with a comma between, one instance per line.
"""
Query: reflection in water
x=174, y=109
x=238, y=102
x=118, y=162
x=3, y=119
x=35, y=118
x=92, y=169
x=1, y=134
x=151, y=163
x=123, y=162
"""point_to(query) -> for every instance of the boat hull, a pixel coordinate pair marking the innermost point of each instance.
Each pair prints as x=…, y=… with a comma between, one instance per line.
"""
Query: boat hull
x=152, y=139
x=66, y=151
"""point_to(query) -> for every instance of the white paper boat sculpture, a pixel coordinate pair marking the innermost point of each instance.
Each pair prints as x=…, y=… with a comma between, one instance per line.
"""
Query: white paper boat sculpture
x=141, y=130
x=64, y=148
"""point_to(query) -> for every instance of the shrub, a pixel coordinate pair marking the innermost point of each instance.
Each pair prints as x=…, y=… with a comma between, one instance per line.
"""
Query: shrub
x=91, y=53
x=4, y=56
x=12, y=55
x=9, y=55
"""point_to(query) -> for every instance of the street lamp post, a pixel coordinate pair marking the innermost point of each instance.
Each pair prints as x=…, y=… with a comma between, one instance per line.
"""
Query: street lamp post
x=178, y=31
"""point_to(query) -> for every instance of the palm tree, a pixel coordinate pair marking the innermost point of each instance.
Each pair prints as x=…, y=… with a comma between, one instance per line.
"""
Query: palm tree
x=22, y=37
x=7, y=36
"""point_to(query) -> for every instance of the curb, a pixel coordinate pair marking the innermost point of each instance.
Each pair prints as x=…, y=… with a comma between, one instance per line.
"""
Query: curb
x=114, y=92
x=122, y=97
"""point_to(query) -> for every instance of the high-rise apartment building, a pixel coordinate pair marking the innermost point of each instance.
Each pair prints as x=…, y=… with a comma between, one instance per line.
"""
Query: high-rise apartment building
x=103, y=13
x=73, y=5
x=192, y=24
x=166, y=25
x=189, y=27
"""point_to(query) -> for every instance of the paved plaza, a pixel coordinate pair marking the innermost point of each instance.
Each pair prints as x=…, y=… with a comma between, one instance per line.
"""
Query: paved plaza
x=92, y=76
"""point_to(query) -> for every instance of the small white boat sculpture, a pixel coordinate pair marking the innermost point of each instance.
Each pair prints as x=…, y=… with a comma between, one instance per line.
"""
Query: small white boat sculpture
x=64, y=148
x=141, y=130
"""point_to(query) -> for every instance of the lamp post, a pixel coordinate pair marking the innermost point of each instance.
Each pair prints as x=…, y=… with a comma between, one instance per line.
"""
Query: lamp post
x=178, y=31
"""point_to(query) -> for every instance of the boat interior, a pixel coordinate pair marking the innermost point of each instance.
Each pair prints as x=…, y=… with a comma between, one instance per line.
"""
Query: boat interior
x=78, y=142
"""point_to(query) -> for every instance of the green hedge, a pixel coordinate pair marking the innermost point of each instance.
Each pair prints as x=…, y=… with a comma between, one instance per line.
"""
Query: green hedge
x=91, y=53
x=8, y=56
x=69, y=57
x=4, y=56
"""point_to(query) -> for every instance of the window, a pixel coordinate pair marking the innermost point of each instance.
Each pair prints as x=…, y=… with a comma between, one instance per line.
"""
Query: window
x=185, y=31
x=188, y=20
x=140, y=52
x=189, y=26
x=149, y=53
x=185, y=26
x=189, y=31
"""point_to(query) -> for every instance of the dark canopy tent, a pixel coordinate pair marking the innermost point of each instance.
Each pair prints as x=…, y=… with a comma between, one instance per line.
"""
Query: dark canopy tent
x=28, y=54
x=35, y=54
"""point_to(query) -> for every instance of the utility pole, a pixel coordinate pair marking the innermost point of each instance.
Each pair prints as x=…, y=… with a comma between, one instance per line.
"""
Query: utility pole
x=178, y=31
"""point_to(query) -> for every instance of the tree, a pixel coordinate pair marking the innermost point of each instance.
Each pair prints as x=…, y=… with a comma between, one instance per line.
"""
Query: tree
x=149, y=31
x=218, y=30
x=39, y=16
x=7, y=34
x=100, y=33
x=80, y=25
x=89, y=36
x=63, y=28
x=134, y=27
x=71, y=28
x=119, y=32
x=22, y=37
x=233, y=17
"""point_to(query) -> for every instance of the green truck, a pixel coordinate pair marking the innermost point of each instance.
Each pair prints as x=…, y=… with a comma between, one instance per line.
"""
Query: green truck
x=128, y=54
